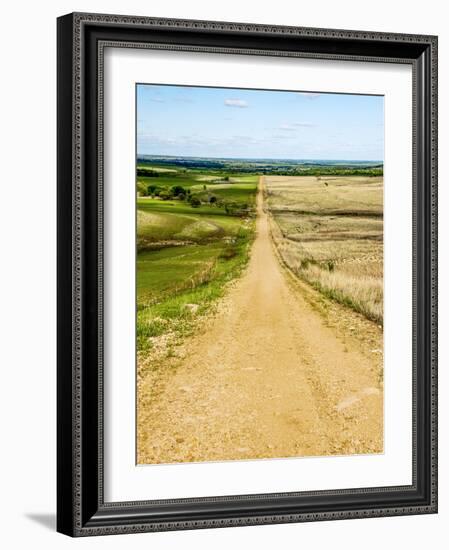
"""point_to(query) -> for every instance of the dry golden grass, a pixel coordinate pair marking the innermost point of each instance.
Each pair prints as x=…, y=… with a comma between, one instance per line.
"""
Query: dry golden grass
x=329, y=232
x=321, y=195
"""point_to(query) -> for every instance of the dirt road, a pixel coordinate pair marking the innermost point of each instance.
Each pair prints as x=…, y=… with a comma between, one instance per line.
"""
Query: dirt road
x=277, y=372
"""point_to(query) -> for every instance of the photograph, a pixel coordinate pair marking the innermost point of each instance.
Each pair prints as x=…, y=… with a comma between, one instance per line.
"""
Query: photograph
x=247, y=278
x=259, y=273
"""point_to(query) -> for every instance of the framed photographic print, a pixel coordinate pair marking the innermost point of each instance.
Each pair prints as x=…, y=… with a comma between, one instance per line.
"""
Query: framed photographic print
x=247, y=247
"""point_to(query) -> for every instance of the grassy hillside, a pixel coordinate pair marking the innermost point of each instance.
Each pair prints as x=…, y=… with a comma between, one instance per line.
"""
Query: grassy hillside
x=188, y=248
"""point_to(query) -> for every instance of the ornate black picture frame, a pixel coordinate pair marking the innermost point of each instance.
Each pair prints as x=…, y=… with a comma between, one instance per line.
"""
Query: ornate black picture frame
x=81, y=510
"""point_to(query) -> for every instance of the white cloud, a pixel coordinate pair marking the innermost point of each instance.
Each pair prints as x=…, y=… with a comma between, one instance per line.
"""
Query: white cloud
x=156, y=139
x=293, y=126
x=309, y=95
x=235, y=103
x=184, y=99
x=283, y=136
x=244, y=139
x=287, y=127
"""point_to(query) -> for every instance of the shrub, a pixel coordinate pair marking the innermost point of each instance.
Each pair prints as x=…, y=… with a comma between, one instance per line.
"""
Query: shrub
x=165, y=194
x=195, y=202
x=305, y=262
x=229, y=207
x=228, y=253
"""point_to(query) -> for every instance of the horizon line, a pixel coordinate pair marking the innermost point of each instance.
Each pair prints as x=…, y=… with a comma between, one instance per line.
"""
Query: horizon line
x=257, y=158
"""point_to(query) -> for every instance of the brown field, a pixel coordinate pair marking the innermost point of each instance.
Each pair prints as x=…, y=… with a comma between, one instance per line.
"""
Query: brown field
x=329, y=232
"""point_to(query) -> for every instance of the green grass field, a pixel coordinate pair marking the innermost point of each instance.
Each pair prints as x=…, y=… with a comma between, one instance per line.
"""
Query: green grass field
x=187, y=253
x=237, y=186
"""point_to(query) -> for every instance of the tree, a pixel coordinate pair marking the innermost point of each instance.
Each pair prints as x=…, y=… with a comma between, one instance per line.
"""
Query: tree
x=212, y=199
x=151, y=190
x=178, y=190
x=147, y=173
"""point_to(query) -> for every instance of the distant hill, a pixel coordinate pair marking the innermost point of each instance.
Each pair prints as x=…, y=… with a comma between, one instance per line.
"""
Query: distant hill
x=280, y=167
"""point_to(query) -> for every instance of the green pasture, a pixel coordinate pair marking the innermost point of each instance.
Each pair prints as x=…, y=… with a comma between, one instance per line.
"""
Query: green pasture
x=177, y=207
x=185, y=253
x=177, y=285
x=239, y=187
x=236, y=192
x=176, y=221
x=162, y=271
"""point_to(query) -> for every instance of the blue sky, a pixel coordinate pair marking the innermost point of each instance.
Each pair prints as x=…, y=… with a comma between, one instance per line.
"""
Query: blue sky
x=240, y=123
